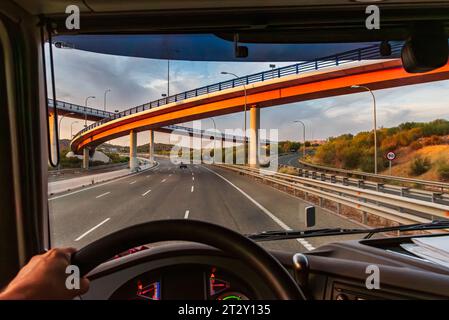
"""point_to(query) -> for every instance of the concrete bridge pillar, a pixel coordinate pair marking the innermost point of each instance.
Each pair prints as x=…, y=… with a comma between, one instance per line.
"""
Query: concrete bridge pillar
x=151, y=147
x=254, y=124
x=86, y=158
x=133, y=163
x=53, y=140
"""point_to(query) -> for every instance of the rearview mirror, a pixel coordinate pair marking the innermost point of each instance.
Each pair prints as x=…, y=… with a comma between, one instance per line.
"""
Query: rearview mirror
x=426, y=50
x=310, y=216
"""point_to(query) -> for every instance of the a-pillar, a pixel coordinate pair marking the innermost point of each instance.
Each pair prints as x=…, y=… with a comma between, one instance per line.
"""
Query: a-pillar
x=133, y=151
x=151, y=147
x=254, y=123
x=86, y=158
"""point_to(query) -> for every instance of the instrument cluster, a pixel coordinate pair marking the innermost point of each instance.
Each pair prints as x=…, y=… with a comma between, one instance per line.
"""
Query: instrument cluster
x=186, y=281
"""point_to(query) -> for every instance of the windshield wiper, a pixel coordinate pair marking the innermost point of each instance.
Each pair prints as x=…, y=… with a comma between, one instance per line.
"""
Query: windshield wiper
x=295, y=234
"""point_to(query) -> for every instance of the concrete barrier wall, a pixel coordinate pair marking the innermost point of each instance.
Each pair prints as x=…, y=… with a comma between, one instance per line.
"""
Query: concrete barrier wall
x=70, y=184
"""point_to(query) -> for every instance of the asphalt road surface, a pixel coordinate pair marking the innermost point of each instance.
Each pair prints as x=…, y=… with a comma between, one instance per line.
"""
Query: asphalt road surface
x=290, y=159
x=199, y=192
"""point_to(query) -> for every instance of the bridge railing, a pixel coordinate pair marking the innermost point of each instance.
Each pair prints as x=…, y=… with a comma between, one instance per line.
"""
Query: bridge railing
x=367, y=53
x=211, y=133
x=66, y=106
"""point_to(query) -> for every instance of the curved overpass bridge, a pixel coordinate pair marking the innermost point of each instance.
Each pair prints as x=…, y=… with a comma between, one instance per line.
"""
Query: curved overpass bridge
x=300, y=82
x=66, y=109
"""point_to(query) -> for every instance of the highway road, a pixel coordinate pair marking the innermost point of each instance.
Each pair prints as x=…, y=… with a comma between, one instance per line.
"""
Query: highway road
x=199, y=192
x=291, y=159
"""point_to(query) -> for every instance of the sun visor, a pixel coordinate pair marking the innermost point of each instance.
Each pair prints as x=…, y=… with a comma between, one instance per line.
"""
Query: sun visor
x=198, y=47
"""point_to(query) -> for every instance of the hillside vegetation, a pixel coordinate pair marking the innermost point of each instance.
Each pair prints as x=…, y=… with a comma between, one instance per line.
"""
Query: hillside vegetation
x=422, y=150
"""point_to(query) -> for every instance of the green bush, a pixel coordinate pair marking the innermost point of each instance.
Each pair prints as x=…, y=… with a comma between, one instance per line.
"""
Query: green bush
x=356, y=151
x=116, y=158
x=367, y=164
x=420, y=165
x=351, y=158
x=443, y=171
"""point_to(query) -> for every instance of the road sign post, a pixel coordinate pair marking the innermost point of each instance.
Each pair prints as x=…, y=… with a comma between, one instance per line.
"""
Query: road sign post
x=390, y=157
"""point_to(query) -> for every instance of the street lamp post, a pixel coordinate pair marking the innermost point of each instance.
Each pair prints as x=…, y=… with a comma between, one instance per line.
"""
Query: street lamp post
x=59, y=132
x=374, y=122
x=62, y=117
x=104, y=101
x=85, y=109
x=168, y=77
x=304, y=137
x=71, y=128
x=272, y=66
x=244, y=127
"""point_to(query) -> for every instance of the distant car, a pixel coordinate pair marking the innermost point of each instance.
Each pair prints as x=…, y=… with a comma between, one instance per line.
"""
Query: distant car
x=182, y=166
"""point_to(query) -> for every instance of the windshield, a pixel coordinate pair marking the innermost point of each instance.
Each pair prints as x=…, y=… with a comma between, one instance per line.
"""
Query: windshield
x=243, y=136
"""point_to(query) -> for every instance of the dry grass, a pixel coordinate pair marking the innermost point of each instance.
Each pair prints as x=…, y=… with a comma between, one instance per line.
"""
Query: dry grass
x=401, y=166
x=288, y=170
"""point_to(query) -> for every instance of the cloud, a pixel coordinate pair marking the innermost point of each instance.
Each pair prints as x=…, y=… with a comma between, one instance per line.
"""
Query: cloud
x=134, y=81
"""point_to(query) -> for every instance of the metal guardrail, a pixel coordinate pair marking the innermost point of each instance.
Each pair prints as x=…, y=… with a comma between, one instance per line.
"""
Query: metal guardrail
x=425, y=183
x=432, y=196
x=367, y=53
x=62, y=172
x=395, y=208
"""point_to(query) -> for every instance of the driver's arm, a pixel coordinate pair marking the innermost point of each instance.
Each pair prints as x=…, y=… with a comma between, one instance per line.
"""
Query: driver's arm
x=44, y=277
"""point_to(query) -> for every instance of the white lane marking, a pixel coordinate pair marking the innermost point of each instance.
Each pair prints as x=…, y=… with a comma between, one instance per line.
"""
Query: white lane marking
x=186, y=215
x=191, y=190
x=192, y=173
x=133, y=182
x=193, y=178
x=163, y=180
x=103, y=184
x=170, y=175
x=306, y=244
x=303, y=242
x=145, y=193
x=103, y=194
x=92, y=229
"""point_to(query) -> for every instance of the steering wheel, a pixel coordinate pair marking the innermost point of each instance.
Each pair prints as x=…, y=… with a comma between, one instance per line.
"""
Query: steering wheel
x=236, y=245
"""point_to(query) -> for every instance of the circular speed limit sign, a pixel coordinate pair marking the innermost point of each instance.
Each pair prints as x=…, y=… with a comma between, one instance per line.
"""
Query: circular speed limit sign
x=391, y=156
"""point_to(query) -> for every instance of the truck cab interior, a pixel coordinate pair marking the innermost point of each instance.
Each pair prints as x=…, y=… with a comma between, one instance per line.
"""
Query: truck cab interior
x=194, y=259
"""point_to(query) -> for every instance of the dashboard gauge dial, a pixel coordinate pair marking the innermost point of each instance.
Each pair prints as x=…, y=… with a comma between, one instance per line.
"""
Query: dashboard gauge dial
x=151, y=291
x=217, y=285
x=232, y=296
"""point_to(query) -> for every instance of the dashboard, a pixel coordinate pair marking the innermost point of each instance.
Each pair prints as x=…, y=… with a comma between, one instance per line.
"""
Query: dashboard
x=196, y=281
x=337, y=271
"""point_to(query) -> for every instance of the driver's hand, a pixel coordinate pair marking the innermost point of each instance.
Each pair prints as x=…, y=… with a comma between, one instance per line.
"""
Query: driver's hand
x=44, y=277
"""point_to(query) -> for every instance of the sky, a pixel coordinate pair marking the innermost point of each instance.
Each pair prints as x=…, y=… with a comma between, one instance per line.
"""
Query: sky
x=135, y=81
